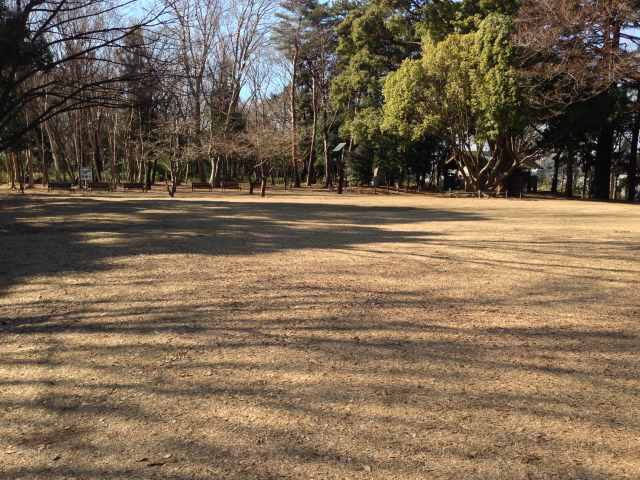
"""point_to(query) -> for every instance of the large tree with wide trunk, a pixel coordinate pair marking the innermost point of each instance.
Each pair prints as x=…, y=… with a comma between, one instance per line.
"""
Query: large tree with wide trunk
x=464, y=89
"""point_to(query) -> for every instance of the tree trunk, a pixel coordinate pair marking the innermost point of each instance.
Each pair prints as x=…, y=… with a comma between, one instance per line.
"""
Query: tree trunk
x=54, y=149
x=602, y=171
x=325, y=150
x=149, y=175
x=341, y=173
x=98, y=155
x=569, y=174
x=11, y=167
x=632, y=180
x=586, y=168
x=29, y=170
x=604, y=150
x=171, y=188
x=294, y=122
x=154, y=171
x=312, y=142
x=114, y=180
x=556, y=170
x=186, y=173
x=20, y=170
x=197, y=120
x=263, y=181
x=43, y=158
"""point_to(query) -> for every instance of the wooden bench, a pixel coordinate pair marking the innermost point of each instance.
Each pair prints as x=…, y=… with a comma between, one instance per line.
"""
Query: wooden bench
x=59, y=186
x=201, y=186
x=104, y=186
x=229, y=184
x=134, y=186
x=463, y=194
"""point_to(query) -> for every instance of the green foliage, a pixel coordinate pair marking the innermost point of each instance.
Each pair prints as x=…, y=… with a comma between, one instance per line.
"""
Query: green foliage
x=496, y=95
x=441, y=18
x=406, y=109
x=372, y=41
x=461, y=74
x=464, y=87
x=465, y=90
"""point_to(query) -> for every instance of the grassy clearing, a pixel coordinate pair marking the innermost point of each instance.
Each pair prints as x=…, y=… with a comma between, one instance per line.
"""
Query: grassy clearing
x=311, y=336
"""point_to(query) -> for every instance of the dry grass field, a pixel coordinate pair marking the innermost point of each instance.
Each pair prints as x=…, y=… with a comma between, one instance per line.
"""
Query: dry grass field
x=311, y=336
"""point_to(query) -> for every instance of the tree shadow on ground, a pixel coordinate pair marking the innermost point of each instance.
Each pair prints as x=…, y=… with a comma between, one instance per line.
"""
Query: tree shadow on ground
x=53, y=236
x=411, y=383
x=378, y=400
x=228, y=395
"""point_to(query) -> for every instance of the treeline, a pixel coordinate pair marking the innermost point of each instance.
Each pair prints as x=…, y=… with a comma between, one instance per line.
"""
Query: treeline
x=422, y=94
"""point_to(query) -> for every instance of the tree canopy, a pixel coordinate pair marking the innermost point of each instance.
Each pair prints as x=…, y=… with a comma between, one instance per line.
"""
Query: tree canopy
x=464, y=88
x=419, y=92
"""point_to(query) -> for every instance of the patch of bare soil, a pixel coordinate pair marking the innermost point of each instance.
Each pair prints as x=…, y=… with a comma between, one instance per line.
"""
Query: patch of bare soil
x=223, y=336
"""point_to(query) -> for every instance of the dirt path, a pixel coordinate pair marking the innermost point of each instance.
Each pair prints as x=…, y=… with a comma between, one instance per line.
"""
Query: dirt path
x=386, y=337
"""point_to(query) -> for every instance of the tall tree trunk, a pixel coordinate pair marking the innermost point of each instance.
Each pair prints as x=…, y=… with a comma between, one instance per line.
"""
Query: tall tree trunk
x=114, y=180
x=602, y=170
x=632, y=180
x=43, y=158
x=19, y=170
x=312, y=143
x=263, y=181
x=325, y=150
x=294, y=121
x=29, y=169
x=53, y=146
x=76, y=149
x=186, y=173
x=11, y=167
x=141, y=163
x=556, y=170
x=604, y=151
x=173, y=186
x=154, y=171
x=197, y=120
x=569, y=174
x=586, y=168
x=149, y=174
x=98, y=155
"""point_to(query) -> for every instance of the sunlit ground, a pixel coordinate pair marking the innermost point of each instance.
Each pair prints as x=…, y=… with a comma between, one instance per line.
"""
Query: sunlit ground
x=313, y=336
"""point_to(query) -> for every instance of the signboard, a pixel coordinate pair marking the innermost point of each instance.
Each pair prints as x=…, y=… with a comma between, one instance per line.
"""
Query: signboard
x=339, y=147
x=86, y=174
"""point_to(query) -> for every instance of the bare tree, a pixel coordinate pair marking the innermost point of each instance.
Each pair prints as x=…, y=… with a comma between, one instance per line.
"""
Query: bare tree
x=572, y=50
x=195, y=31
x=50, y=37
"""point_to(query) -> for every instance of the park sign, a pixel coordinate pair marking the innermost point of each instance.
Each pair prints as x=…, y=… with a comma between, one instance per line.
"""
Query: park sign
x=86, y=174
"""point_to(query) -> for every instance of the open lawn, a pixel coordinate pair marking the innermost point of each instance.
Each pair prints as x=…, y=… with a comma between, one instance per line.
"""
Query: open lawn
x=311, y=336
